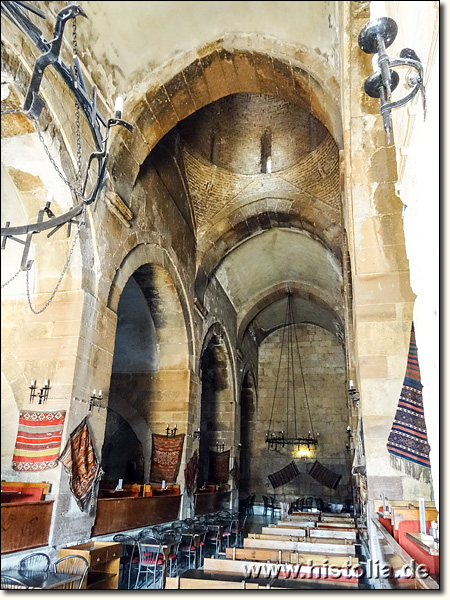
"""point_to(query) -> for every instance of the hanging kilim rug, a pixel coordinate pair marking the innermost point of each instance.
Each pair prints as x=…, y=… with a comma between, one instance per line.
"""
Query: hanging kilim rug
x=408, y=442
x=38, y=440
x=324, y=475
x=219, y=466
x=79, y=460
x=284, y=475
x=166, y=457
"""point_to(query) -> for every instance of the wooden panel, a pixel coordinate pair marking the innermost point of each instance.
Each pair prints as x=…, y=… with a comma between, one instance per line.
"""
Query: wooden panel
x=104, y=563
x=411, y=514
x=286, y=556
x=242, y=567
x=184, y=583
x=43, y=485
x=121, y=514
x=281, y=531
x=333, y=533
x=211, y=502
x=296, y=538
x=303, y=547
x=25, y=525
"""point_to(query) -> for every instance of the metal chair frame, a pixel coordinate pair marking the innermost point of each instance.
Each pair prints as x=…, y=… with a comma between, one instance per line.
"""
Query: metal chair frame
x=72, y=570
x=10, y=583
x=29, y=563
x=146, y=555
x=126, y=541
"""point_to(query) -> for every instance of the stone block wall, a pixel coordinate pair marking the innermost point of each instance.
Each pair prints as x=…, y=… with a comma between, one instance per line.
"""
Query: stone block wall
x=323, y=364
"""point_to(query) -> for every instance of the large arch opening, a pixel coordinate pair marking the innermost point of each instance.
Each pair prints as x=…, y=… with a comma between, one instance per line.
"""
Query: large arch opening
x=150, y=377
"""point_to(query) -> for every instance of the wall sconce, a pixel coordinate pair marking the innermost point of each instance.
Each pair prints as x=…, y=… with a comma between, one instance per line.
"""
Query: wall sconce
x=95, y=400
x=353, y=393
x=220, y=447
x=171, y=432
x=42, y=394
x=196, y=435
x=374, y=38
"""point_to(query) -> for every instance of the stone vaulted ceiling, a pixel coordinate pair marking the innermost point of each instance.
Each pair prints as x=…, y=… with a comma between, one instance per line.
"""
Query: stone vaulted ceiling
x=263, y=229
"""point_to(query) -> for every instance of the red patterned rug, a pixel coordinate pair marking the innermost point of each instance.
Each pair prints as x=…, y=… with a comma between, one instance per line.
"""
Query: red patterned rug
x=79, y=460
x=219, y=466
x=38, y=440
x=166, y=457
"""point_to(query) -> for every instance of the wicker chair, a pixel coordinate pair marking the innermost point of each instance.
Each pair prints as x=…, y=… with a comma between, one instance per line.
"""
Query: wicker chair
x=38, y=561
x=9, y=583
x=72, y=565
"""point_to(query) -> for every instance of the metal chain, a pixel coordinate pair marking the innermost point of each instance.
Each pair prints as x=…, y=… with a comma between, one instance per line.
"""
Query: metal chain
x=12, y=278
x=77, y=108
x=53, y=294
x=52, y=160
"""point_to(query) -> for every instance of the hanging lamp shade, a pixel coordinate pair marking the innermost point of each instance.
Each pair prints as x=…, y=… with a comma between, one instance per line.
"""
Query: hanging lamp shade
x=289, y=435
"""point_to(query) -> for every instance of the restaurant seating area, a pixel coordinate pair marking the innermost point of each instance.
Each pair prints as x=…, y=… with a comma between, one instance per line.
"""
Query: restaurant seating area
x=411, y=528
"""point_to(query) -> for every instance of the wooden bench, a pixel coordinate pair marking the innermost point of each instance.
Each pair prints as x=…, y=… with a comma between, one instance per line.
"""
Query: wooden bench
x=400, y=514
x=297, y=538
x=303, y=547
x=275, y=570
x=187, y=583
x=287, y=556
x=29, y=492
x=314, y=533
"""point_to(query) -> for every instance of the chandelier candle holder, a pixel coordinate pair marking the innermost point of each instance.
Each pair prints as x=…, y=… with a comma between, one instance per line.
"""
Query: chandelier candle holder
x=171, y=432
x=353, y=393
x=42, y=394
x=287, y=437
x=220, y=447
x=95, y=400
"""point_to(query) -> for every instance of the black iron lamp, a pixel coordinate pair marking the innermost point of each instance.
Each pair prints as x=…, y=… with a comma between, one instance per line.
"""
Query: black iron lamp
x=287, y=437
x=374, y=38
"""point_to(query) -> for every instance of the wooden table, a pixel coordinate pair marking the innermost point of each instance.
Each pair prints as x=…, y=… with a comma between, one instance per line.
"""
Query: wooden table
x=42, y=580
x=424, y=541
x=215, y=577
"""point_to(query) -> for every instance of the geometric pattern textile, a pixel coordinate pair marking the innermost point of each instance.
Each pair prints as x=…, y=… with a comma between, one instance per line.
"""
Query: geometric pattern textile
x=324, y=476
x=408, y=442
x=284, y=475
x=166, y=457
x=79, y=460
x=38, y=440
x=219, y=466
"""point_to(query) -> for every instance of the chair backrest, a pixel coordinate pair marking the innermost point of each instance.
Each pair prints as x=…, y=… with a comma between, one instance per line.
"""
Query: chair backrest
x=38, y=561
x=150, y=549
x=128, y=544
x=72, y=565
x=10, y=583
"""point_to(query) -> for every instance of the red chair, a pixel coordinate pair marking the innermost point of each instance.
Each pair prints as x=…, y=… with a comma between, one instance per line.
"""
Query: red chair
x=420, y=556
x=27, y=494
x=386, y=522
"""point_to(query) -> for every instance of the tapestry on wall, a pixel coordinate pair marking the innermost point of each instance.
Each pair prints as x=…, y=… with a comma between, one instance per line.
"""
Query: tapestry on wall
x=191, y=474
x=166, y=457
x=408, y=441
x=38, y=440
x=284, y=475
x=324, y=476
x=79, y=460
x=219, y=466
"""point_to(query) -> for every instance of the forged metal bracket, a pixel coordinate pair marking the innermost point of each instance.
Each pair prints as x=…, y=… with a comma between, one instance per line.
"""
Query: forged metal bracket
x=15, y=11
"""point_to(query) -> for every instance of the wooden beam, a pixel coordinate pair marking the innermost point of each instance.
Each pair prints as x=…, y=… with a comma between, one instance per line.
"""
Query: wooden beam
x=296, y=538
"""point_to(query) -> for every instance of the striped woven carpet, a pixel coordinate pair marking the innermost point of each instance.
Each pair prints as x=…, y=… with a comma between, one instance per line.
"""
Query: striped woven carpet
x=38, y=440
x=408, y=439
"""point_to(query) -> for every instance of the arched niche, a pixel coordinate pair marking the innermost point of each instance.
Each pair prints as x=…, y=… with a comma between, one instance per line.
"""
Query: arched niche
x=248, y=405
x=217, y=409
x=150, y=375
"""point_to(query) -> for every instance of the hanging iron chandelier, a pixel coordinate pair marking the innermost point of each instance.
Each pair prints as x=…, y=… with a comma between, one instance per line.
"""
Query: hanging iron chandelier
x=89, y=180
x=289, y=436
